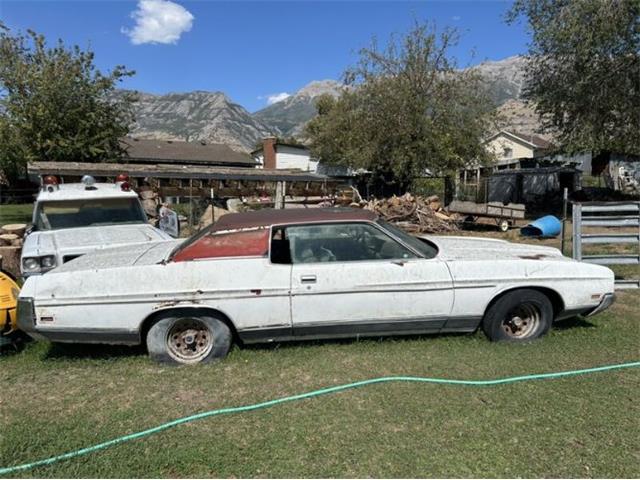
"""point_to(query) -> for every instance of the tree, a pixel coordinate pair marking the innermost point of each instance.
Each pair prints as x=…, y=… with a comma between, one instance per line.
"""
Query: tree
x=55, y=105
x=583, y=72
x=408, y=110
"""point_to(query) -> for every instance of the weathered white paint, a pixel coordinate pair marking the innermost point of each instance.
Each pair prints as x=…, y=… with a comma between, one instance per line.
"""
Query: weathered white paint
x=352, y=291
x=117, y=289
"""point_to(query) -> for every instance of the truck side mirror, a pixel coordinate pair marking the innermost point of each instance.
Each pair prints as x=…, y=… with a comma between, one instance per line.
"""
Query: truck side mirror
x=169, y=222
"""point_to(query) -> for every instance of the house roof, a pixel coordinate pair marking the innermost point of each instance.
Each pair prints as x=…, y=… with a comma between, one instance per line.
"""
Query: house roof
x=533, y=141
x=268, y=217
x=161, y=170
x=173, y=151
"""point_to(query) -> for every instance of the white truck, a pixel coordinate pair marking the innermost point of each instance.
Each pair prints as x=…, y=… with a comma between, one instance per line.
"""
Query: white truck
x=72, y=219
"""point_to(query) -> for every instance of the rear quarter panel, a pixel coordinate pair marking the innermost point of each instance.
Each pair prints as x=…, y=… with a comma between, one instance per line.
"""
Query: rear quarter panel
x=477, y=282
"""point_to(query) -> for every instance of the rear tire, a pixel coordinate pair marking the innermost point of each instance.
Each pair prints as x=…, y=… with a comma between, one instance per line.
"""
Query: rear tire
x=518, y=316
x=188, y=339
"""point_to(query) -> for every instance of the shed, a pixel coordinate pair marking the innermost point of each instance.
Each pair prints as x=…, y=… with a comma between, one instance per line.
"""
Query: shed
x=531, y=185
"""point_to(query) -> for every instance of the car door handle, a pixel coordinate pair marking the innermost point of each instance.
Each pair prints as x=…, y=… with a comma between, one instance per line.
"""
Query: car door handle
x=308, y=279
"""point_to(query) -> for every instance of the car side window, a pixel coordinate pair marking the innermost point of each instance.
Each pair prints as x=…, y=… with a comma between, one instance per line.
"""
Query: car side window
x=280, y=247
x=342, y=242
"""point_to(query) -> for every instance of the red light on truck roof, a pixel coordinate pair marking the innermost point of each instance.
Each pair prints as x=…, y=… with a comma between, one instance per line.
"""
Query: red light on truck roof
x=50, y=180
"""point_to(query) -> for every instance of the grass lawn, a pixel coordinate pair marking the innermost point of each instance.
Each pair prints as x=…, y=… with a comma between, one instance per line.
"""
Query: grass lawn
x=20, y=213
x=54, y=399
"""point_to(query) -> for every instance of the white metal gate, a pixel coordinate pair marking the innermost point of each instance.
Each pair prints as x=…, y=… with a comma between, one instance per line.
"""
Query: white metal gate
x=614, y=216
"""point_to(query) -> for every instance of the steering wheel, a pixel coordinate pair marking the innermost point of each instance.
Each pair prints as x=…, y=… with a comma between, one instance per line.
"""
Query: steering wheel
x=327, y=256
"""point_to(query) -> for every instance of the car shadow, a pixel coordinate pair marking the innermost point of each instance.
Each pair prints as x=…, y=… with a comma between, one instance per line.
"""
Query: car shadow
x=71, y=351
x=105, y=352
x=573, y=322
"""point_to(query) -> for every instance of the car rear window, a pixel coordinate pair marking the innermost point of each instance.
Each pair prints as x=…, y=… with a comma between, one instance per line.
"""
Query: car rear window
x=246, y=243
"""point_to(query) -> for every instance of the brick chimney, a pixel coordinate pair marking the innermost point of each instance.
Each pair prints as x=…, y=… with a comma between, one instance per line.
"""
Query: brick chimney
x=269, y=152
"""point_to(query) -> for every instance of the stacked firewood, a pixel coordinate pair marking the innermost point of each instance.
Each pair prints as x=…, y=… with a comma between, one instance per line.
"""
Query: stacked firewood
x=11, y=238
x=11, y=235
x=414, y=214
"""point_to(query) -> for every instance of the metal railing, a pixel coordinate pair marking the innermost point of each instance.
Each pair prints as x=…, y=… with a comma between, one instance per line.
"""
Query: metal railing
x=609, y=215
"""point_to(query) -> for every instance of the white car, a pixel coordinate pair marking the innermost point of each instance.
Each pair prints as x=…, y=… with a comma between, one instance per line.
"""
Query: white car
x=276, y=275
x=72, y=219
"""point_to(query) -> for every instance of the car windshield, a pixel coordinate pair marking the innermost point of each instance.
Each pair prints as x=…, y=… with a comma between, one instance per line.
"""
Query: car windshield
x=424, y=247
x=58, y=215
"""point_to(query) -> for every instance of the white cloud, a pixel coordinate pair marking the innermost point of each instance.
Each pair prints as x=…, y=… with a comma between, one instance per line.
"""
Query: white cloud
x=277, y=97
x=159, y=21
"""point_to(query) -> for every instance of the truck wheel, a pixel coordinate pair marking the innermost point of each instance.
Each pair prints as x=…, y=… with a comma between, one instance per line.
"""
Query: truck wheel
x=518, y=316
x=504, y=225
x=188, y=339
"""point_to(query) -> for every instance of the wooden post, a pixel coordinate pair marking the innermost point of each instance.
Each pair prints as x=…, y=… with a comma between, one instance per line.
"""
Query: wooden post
x=577, y=231
x=565, y=199
x=213, y=213
x=280, y=192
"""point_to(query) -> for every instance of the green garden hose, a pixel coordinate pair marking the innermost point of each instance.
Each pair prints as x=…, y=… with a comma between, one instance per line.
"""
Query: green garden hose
x=314, y=393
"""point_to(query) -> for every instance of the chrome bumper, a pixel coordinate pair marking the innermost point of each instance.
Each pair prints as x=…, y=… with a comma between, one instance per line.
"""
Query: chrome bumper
x=606, y=302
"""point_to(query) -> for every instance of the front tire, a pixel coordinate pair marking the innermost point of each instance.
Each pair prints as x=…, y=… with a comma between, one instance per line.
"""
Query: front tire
x=518, y=316
x=188, y=339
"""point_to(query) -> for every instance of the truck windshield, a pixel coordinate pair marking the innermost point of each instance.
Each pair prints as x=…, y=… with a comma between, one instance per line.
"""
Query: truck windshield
x=57, y=215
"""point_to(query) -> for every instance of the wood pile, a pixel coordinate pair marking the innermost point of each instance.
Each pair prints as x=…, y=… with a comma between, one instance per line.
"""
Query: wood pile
x=150, y=203
x=208, y=216
x=11, y=235
x=11, y=238
x=414, y=214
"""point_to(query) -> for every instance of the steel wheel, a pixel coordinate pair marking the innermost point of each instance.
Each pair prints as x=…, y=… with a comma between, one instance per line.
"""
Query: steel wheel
x=522, y=321
x=189, y=340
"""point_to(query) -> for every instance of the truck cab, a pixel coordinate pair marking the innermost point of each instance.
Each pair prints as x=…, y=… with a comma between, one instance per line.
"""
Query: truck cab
x=72, y=219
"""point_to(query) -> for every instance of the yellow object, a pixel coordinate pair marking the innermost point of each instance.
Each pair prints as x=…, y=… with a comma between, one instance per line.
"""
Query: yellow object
x=9, y=291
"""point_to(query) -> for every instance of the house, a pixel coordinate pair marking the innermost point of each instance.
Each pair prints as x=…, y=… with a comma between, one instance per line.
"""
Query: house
x=510, y=147
x=276, y=154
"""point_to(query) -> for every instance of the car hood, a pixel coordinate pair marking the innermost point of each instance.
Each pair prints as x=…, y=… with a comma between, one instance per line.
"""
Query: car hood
x=86, y=239
x=473, y=248
x=126, y=256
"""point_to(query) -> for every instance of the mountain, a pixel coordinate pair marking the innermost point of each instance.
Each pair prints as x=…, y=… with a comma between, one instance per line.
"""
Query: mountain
x=521, y=117
x=504, y=78
x=291, y=114
x=209, y=116
x=213, y=117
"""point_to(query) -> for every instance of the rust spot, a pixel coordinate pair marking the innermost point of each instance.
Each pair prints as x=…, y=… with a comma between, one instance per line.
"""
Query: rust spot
x=257, y=291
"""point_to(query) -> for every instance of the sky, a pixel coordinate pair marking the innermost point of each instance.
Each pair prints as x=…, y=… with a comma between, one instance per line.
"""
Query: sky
x=254, y=51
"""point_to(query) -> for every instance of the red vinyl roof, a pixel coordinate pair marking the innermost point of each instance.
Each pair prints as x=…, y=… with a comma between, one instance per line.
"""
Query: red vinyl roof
x=269, y=216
